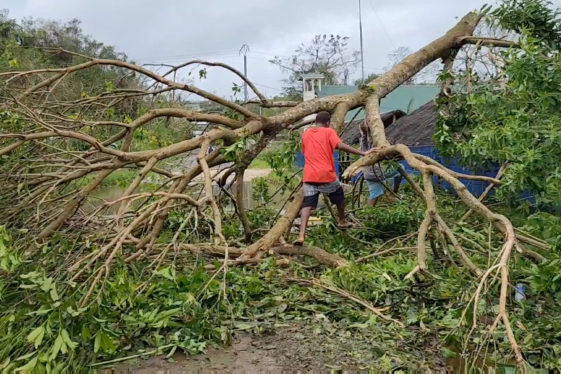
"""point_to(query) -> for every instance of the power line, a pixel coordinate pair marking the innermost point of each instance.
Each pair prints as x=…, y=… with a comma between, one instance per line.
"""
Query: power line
x=257, y=58
x=268, y=53
x=222, y=53
x=265, y=86
x=190, y=55
x=382, y=24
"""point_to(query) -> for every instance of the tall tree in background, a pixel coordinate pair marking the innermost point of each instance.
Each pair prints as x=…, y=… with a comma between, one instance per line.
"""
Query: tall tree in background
x=37, y=42
x=38, y=35
x=326, y=54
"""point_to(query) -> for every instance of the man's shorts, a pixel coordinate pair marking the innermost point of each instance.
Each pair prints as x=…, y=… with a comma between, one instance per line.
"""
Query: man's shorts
x=376, y=188
x=312, y=191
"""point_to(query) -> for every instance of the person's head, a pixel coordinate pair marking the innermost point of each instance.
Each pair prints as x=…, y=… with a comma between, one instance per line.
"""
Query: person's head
x=323, y=118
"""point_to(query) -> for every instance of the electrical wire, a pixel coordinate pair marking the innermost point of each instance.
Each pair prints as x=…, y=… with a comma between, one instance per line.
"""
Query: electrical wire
x=382, y=24
x=151, y=59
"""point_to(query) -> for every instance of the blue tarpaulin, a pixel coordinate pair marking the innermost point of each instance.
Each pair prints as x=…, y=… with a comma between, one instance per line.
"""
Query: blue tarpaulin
x=475, y=187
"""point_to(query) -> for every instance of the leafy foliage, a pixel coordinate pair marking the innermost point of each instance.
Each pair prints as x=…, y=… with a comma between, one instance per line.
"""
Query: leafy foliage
x=513, y=118
x=33, y=43
x=399, y=218
x=537, y=18
x=180, y=305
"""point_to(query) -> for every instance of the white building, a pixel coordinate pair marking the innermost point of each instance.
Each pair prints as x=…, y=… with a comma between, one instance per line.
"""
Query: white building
x=311, y=85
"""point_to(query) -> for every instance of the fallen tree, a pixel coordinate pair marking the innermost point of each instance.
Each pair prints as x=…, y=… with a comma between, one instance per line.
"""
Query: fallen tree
x=59, y=158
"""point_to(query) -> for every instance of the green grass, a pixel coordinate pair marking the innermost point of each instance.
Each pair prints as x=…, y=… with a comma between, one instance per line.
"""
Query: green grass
x=259, y=164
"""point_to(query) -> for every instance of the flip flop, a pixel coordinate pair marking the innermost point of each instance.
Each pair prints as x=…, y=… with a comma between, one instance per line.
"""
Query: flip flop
x=348, y=225
x=298, y=243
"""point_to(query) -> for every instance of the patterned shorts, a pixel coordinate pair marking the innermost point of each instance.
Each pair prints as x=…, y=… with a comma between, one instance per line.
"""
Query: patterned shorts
x=331, y=189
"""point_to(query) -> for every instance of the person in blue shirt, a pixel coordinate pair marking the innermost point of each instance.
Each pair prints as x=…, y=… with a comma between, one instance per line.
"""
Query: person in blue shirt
x=376, y=175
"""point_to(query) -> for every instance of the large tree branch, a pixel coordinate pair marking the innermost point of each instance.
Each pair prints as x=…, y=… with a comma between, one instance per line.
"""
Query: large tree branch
x=488, y=42
x=141, y=228
x=415, y=62
x=261, y=97
x=62, y=72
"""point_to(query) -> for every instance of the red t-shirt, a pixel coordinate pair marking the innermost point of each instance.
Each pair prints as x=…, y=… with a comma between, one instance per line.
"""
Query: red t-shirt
x=318, y=144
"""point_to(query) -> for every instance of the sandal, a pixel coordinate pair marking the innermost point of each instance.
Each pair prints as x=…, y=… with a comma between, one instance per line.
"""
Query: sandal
x=347, y=225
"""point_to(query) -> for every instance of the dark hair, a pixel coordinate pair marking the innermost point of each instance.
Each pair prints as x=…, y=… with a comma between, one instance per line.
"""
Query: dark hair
x=323, y=117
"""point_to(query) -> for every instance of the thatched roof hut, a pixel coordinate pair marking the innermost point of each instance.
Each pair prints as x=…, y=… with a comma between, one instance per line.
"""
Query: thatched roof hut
x=415, y=129
x=351, y=131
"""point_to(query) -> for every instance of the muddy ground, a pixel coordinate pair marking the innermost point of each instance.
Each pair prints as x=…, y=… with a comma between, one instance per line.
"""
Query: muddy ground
x=317, y=346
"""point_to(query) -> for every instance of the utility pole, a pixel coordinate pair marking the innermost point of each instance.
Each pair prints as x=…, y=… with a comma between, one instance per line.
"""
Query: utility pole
x=361, y=49
x=243, y=51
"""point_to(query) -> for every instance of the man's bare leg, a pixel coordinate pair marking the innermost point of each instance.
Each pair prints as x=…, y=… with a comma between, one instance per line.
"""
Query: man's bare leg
x=342, y=222
x=305, y=213
x=372, y=202
x=397, y=183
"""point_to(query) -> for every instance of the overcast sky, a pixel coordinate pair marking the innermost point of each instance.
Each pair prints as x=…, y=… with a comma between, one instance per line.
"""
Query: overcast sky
x=174, y=31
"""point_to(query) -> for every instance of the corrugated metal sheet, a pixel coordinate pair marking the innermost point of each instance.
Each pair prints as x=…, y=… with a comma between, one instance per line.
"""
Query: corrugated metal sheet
x=407, y=97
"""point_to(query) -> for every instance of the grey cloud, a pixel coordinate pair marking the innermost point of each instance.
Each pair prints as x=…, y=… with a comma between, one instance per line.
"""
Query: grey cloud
x=173, y=30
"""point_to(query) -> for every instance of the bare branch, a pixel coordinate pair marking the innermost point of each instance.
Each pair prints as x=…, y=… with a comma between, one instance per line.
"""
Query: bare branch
x=488, y=42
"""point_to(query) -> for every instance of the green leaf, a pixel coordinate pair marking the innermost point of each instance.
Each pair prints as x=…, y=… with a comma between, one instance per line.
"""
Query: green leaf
x=86, y=333
x=103, y=342
x=168, y=272
x=447, y=353
x=54, y=294
x=5, y=364
x=26, y=356
x=57, y=347
x=27, y=367
x=66, y=338
x=36, y=336
x=97, y=342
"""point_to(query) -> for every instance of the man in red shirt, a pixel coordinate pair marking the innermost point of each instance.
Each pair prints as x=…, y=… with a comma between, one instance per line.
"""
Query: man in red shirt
x=318, y=144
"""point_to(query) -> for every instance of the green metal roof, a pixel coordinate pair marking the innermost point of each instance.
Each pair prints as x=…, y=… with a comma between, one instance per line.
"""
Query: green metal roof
x=407, y=98
x=336, y=90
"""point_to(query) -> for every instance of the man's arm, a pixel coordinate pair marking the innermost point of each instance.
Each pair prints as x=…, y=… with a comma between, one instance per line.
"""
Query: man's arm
x=347, y=148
